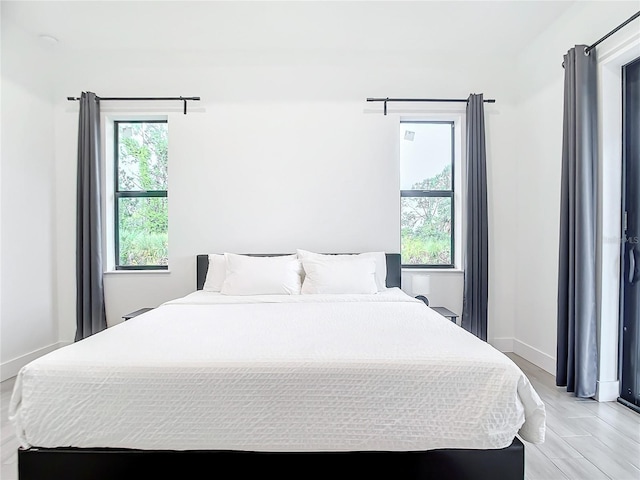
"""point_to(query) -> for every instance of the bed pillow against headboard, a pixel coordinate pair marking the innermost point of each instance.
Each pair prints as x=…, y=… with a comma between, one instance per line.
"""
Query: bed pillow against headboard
x=377, y=257
x=351, y=275
x=246, y=275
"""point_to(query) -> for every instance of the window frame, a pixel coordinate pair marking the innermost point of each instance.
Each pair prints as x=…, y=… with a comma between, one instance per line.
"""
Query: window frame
x=118, y=194
x=451, y=193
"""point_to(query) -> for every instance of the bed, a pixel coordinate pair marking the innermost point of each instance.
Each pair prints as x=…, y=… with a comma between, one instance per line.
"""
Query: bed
x=293, y=385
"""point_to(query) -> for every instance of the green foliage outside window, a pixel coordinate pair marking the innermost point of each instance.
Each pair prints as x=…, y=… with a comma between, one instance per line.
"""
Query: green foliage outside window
x=426, y=224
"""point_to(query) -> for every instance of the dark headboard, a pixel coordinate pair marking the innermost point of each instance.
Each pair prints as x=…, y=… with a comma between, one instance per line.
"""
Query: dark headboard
x=393, y=269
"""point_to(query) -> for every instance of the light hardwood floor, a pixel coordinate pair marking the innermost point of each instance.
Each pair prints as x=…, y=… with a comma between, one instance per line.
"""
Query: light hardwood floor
x=586, y=440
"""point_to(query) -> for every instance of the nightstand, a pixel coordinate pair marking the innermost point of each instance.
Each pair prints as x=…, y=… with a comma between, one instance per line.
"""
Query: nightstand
x=129, y=316
x=445, y=312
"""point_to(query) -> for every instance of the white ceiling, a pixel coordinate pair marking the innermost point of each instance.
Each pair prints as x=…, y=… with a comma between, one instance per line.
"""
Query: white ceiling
x=232, y=26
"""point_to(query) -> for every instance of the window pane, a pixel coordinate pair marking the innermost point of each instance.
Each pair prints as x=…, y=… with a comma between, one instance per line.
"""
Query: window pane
x=425, y=156
x=142, y=156
x=426, y=231
x=142, y=224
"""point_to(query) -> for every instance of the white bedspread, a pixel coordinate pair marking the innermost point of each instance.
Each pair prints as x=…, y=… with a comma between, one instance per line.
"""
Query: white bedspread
x=278, y=373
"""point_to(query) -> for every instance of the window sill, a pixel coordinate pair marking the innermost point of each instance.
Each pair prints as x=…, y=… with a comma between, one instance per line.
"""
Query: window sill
x=136, y=272
x=432, y=270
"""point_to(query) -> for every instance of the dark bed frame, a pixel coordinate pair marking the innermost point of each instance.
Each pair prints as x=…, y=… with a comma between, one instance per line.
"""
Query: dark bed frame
x=124, y=464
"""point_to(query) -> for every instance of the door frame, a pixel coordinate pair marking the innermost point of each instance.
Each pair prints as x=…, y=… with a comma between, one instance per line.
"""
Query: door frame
x=623, y=249
x=611, y=57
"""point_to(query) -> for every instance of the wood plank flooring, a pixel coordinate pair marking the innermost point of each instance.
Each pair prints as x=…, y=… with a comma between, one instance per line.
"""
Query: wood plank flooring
x=586, y=440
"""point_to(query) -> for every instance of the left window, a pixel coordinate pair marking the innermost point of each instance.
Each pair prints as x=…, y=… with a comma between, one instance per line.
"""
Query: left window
x=141, y=213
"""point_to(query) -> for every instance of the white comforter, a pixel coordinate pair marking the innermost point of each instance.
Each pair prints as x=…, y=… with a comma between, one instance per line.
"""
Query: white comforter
x=278, y=373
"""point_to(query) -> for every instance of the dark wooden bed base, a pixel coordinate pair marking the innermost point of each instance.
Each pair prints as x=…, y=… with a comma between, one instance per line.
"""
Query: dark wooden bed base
x=114, y=464
x=123, y=464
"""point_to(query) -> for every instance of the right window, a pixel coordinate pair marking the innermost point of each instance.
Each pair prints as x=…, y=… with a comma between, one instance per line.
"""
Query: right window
x=427, y=159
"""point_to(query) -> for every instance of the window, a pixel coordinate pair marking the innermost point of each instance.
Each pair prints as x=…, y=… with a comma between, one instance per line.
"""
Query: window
x=427, y=159
x=140, y=194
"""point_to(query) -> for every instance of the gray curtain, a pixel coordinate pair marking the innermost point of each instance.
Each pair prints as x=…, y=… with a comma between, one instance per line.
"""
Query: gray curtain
x=577, y=355
x=476, y=262
x=90, y=311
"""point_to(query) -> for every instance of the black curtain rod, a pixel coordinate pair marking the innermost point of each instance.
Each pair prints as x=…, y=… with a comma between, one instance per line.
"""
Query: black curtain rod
x=438, y=100
x=143, y=99
x=631, y=19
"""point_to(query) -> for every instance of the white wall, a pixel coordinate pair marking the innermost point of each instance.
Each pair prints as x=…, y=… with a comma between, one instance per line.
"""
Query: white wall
x=29, y=324
x=538, y=157
x=282, y=153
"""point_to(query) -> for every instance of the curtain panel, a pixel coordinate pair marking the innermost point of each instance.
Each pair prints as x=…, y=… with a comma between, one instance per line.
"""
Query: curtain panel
x=476, y=263
x=577, y=352
x=90, y=309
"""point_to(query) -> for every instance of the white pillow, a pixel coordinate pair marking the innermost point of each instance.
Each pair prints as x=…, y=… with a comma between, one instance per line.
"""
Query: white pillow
x=350, y=275
x=215, y=274
x=380, y=259
x=262, y=275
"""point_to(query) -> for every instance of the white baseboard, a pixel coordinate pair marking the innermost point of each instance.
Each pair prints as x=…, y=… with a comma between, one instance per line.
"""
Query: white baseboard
x=12, y=367
x=607, y=391
x=535, y=356
x=503, y=344
x=529, y=353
